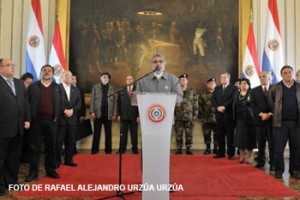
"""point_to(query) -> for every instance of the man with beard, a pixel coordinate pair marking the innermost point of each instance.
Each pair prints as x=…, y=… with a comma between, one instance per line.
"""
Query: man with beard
x=44, y=99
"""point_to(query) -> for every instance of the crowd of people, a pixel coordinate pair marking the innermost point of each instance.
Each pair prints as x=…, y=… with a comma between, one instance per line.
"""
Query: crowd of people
x=235, y=119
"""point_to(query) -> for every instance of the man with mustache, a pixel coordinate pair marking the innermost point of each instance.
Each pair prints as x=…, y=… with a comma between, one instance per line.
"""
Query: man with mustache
x=44, y=98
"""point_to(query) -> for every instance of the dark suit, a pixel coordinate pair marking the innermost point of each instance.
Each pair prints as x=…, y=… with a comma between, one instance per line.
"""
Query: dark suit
x=263, y=129
x=225, y=123
x=43, y=130
x=67, y=125
x=129, y=115
x=14, y=111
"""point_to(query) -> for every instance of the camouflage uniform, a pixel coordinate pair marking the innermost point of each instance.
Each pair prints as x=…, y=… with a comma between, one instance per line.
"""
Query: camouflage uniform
x=207, y=116
x=183, y=118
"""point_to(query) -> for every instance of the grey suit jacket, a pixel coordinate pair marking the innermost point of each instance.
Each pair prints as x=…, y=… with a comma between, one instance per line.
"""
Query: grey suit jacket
x=96, y=101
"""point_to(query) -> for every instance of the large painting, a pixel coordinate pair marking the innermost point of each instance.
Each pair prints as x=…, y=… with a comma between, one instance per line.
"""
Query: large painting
x=197, y=37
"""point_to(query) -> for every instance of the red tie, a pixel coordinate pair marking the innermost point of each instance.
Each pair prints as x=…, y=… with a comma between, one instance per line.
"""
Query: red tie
x=129, y=90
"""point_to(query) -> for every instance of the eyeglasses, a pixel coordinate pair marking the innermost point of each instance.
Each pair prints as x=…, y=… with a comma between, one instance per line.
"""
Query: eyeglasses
x=157, y=61
x=9, y=65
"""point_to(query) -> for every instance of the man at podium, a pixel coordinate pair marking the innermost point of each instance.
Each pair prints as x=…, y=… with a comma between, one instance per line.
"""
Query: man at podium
x=159, y=80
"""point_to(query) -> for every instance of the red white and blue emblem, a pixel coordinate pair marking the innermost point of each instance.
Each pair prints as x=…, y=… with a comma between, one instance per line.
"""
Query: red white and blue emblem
x=273, y=45
x=34, y=41
x=156, y=113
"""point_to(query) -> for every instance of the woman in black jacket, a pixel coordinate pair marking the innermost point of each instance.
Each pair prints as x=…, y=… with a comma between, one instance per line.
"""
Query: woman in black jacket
x=244, y=138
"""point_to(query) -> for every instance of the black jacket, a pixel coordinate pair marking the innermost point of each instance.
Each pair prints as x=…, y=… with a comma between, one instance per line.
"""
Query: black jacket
x=34, y=91
x=124, y=108
x=74, y=103
x=259, y=104
x=220, y=98
x=14, y=110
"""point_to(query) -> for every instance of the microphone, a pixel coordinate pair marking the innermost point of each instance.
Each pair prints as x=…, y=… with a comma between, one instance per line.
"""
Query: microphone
x=157, y=69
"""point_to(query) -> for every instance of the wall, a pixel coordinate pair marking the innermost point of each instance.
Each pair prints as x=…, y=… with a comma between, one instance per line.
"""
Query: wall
x=13, y=29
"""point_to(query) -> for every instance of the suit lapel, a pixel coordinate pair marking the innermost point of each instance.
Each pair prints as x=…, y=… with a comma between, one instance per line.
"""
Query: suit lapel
x=5, y=84
x=65, y=93
x=17, y=88
x=72, y=92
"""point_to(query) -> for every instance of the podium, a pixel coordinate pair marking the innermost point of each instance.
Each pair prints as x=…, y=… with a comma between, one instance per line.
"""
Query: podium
x=156, y=117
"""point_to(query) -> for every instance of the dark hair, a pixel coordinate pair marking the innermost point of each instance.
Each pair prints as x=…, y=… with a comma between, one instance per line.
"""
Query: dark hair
x=184, y=76
x=211, y=80
x=237, y=80
x=105, y=73
x=47, y=65
x=26, y=76
x=285, y=67
x=246, y=80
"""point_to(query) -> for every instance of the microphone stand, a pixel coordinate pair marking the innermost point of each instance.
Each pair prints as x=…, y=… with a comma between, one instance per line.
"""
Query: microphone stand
x=117, y=91
x=120, y=193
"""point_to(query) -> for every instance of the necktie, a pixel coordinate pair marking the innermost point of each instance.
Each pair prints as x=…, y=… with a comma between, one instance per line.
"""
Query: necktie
x=223, y=89
x=129, y=90
x=265, y=91
x=11, y=85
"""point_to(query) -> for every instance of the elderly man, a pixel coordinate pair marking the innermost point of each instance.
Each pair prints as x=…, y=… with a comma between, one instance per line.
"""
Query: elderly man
x=71, y=104
x=14, y=117
x=159, y=80
x=128, y=115
x=262, y=119
x=103, y=110
x=222, y=100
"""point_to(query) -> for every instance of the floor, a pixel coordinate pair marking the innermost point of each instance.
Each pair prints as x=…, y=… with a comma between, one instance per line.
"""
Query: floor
x=287, y=180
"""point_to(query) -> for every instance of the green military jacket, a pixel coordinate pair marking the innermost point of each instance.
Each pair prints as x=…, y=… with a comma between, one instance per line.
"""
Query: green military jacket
x=207, y=112
x=188, y=107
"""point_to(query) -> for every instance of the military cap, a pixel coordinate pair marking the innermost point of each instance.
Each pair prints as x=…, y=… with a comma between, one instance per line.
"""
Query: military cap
x=184, y=76
x=211, y=80
x=105, y=73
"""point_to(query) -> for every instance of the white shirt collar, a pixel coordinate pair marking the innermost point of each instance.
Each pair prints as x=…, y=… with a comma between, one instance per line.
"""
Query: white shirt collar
x=158, y=76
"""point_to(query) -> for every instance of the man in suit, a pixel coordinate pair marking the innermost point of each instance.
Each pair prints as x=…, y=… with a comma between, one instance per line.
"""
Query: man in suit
x=15, y=116
x=81, y=113
x=67, y=122
x=128, y=115
x=222, y=100
x=103, y=110
x=27, y=79
x=262, y=119
x=45, y=100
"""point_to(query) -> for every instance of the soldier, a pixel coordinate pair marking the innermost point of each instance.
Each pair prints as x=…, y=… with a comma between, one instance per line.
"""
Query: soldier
x=207, y=115
x=185, y=114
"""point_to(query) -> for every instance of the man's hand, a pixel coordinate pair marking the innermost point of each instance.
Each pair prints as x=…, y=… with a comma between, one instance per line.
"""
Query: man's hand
x=26, y=125
x=265, y=116
x=221, y=109
x=68, y=112
x=93, y=116
x=81, y=118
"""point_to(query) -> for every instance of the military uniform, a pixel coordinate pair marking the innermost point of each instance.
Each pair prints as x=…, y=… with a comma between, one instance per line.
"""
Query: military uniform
x=207, y=116
x=183, y=119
